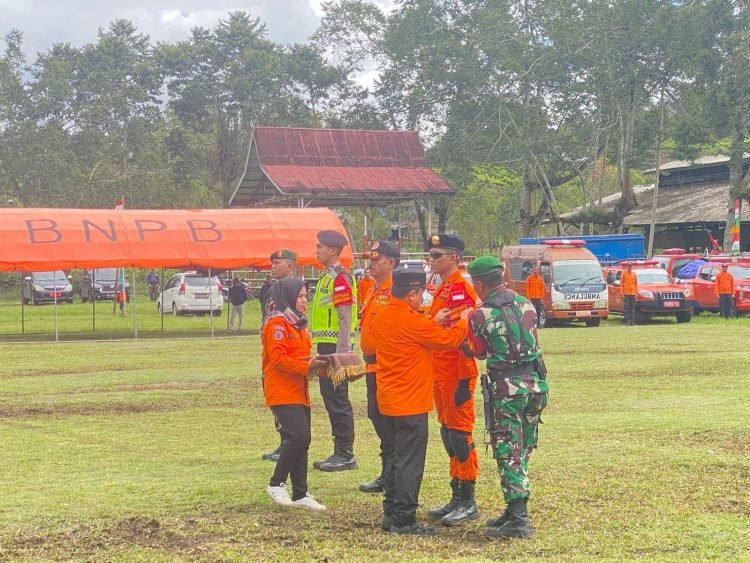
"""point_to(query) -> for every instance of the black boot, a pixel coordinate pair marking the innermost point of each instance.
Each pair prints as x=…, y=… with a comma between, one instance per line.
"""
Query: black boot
x=466, y=509
x=516, y=526
x=444, y=510
x=499, y=521
x=272, y=456
x=318, y=463
x=378, y=485
x=343, y=460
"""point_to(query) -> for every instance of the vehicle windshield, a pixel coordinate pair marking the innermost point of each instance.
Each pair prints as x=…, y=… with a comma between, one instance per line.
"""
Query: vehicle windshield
x=104, y=274
x=573, y=273
x=739, y=272
x=49, y=277
x=200, y=281
x=652, y=276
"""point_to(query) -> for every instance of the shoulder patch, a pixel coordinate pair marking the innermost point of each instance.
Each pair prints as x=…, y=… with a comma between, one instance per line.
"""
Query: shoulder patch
x=278, y=334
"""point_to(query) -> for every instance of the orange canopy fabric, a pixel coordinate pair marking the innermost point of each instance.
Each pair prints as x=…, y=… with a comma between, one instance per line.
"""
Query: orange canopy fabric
x=61, y=239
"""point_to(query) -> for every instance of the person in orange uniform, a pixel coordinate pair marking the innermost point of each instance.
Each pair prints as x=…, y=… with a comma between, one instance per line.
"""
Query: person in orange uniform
x=404, y=339
x=455, y=378
x=285, y=361
x=365, y=287
x=384, y=258
x=535, y=291
x=628, y=290
x=724, y=288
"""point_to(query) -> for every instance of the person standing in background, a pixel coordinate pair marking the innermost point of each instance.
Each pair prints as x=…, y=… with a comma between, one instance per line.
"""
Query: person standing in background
x=628, y=290
x=724, y=289
x=535, y=291
x=237, y=298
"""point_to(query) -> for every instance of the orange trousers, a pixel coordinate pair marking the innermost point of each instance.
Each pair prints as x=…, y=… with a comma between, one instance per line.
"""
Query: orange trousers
x=457, y=423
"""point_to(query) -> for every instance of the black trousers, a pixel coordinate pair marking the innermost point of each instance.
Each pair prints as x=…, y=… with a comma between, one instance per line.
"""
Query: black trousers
x=537, y=303
x=404, y=467
x=378, y=420
x=337, y=404
x=726, y=305
x=294, y=421
x=629, y=306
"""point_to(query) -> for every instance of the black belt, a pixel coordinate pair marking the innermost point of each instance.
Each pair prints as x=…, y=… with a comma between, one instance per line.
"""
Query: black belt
x=369, y=359
x=496, y=374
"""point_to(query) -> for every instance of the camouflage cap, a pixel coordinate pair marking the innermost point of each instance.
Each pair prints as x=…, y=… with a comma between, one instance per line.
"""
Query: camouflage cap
x=283, y=254
x=484, y=265
x=449, y=242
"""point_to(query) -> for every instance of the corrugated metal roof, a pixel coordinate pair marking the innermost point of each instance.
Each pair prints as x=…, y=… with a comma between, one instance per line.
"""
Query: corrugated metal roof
x=336, y=166
x=673, y=165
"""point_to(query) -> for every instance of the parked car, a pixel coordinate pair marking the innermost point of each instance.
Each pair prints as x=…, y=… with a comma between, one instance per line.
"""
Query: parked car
x=658, y=295
x=673, y=259
x=46, y=287
x=704, y=282
x=191, y=293
x=100, y=284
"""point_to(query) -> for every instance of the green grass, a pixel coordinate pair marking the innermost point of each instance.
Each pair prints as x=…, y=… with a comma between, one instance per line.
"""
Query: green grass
x=150, y=450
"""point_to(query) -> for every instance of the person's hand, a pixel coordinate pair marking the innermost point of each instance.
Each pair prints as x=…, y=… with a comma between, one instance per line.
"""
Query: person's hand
x=317, y=362
x=466, y=313
x=442, y=316
x=462, y=393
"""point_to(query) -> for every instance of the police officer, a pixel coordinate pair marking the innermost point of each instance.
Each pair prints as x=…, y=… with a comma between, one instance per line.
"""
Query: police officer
x=455, y=378
x=404, y=339
x=503, y=330
x=334, y=317
x=282, y=267
x=384, y=257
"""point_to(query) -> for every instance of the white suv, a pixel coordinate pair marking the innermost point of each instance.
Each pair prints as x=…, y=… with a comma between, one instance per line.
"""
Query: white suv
x=191, y=293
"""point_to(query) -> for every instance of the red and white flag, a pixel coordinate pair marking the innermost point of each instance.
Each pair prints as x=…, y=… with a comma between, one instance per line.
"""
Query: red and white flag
x=120, y=205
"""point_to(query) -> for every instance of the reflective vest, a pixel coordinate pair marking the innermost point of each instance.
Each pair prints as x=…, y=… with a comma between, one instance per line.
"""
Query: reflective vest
x=324, y=326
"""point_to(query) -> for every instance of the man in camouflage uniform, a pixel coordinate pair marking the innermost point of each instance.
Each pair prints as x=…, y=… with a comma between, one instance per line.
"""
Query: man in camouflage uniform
x=503, y=330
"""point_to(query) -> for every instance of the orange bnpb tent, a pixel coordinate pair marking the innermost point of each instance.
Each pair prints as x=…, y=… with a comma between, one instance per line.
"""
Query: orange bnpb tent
x=221, y=239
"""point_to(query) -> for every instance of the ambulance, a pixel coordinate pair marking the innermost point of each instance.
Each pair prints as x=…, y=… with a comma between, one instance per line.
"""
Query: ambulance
x=575, y=287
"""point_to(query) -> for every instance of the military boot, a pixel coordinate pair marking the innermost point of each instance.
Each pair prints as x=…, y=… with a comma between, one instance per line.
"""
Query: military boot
x=342, y=460
x=499, y=521
x=378, y=485
x=516, y=526
x=438, y=513
x=318, y=463
x=466, y=509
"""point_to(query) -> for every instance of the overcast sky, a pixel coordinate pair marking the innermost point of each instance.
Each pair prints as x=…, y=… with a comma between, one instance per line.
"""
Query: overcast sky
x=44, y=22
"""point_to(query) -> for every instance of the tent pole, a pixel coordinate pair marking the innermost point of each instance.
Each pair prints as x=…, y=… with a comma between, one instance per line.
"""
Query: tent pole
x=210, y=304
x=161, y=295
x=23, y=309
x=54, y=285
x=132, y=297
x=93, y=301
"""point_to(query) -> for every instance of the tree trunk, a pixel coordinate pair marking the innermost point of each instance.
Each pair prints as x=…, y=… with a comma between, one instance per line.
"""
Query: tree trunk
x=627, y=195
x=421, y=209
x=735, y=180
x=441, y=208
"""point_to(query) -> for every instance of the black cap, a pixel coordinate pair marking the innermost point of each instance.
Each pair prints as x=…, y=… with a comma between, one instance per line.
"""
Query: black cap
x=384, y=248
x=411, y=279
x=449, y=242
x=333, y=239
x=725, y=265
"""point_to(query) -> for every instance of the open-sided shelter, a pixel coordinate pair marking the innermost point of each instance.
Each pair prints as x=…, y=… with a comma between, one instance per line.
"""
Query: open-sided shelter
x=335, y=167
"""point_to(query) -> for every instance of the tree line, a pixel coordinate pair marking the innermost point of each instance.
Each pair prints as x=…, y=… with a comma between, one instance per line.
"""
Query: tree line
x=528, y=107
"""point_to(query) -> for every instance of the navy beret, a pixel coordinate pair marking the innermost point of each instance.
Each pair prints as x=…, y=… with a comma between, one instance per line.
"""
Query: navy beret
x=449, y=242
x=412, y=279
x=333, y=239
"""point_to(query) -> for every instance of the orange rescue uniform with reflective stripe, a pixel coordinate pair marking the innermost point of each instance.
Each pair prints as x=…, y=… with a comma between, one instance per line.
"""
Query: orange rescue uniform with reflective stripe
x=286, y=355
x=404, y=339
x=628, y=283
x=364, y=289
x=724, y=284
x=376, y=303
x=535, y=287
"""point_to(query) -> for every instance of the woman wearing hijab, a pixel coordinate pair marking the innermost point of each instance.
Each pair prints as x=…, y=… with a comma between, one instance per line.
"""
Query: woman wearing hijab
x=286, y=359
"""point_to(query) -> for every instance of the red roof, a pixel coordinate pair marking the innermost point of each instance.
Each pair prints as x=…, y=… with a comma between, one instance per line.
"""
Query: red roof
x=336, y=167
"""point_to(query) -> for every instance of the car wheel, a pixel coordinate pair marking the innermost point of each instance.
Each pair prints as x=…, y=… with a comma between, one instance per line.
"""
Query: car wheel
x=25, y=301
x=684, y=316
x=593, y=322
x=83, y=297
x=543, y=321
x=175, y=312
x=641, y=317
x=33, y=299
x=217, y=313
x=158, y=308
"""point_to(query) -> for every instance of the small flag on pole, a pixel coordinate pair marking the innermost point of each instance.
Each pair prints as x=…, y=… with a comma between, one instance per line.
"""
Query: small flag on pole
x=736, y=228
x=120, y=205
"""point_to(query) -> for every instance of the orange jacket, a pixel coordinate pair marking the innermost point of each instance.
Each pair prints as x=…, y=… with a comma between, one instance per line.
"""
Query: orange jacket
x=628, y=283
x=286, y=355
x=365, y=287
x=535, y=287
x=724, y=284
x=372, y=307
x=404, y=340
x=455, y=294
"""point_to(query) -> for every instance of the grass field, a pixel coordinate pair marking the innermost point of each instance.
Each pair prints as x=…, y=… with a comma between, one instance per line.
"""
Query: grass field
x=150, y=450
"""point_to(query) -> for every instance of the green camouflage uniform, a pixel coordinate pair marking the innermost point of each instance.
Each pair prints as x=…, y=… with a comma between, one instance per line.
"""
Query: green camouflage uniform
x=517, y=401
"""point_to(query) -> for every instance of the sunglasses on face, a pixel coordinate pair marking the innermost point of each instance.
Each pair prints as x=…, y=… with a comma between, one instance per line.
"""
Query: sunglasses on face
x=436, y=255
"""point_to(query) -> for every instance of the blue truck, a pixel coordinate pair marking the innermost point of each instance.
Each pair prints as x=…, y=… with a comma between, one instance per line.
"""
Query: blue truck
x=608, y=249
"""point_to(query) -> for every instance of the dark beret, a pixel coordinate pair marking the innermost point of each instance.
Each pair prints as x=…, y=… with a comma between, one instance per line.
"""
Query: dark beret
x=449, y=242
x=284, y=254
x=333, y=239
x=412, y=279
x=385, y=248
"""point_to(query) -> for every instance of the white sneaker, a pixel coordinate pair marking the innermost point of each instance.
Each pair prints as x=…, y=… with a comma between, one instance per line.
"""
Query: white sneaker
x=279, y=495
x=309, y=503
